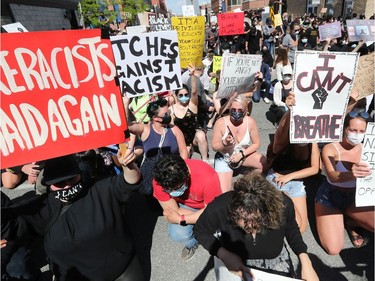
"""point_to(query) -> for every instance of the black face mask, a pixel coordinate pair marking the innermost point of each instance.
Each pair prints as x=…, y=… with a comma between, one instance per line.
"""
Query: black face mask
x=166, y=119
x=68, y=194
x=237, y=116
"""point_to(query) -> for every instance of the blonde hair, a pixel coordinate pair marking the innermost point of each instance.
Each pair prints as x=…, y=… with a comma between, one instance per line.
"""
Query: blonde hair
x=241, y=99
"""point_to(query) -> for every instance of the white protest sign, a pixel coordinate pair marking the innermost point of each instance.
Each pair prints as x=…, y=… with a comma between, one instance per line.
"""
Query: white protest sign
x=237, y=73
x=361, y=30
x=188, y=11
x=136, y=29
x=322, y=87
x=265, y=276
x=14, y=27
x=365, y=189
x=147, y=63
x=330, y=30
x=363, y=83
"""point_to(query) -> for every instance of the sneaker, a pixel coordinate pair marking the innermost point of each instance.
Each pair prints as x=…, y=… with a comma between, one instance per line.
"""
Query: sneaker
x=188, y=253
x=266, y=100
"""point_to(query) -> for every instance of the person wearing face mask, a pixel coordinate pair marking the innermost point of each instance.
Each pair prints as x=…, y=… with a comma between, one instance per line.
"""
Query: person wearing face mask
x=236, y=140
x=335, y=207
x=159, y=137
x=280, y=93
x=184, y=116
x=212, y=37
x=269, y=33
x=85, y=233
x=313, y=38
x=303, y=44
x=184, y=188
x=253, y=41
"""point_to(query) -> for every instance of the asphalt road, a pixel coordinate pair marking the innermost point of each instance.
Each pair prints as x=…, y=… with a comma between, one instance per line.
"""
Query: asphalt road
x=351, y=264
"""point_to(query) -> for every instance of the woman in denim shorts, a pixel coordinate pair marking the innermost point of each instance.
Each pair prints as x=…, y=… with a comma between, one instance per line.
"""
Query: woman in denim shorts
x=335, y=201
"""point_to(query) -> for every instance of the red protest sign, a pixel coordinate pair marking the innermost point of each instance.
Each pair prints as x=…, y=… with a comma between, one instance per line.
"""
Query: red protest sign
x=58, y=95
x=231, y=23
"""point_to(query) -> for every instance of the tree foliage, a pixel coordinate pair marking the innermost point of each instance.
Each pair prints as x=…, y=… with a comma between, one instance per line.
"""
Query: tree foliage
x=91, y=11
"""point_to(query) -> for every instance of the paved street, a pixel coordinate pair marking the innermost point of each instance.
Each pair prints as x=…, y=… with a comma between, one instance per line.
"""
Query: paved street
x=352, y=264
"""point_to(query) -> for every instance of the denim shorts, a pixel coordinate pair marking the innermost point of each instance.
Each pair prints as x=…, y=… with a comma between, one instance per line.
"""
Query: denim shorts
x=335, y=198
x=294, y=188
x=220, y=165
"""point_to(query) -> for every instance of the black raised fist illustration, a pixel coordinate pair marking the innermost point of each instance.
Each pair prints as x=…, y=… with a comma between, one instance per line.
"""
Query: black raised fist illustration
x=319, y=95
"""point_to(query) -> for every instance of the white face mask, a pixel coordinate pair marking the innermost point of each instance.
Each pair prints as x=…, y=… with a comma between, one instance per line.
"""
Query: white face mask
x=355, y=138
x=304, y=41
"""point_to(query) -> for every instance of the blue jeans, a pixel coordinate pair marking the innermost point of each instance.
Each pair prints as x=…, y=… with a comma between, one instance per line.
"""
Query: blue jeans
x=183, y=234
x=266, y=85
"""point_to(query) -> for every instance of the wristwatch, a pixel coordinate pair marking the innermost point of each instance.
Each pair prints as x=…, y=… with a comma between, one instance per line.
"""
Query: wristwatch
x=183, y=221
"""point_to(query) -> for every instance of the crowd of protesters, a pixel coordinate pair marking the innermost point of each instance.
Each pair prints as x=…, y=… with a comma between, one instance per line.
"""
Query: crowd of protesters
x=84, y=211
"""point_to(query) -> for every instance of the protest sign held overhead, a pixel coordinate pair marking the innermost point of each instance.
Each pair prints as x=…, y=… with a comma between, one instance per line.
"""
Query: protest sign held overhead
x=363, y=83
x=322, y=87
x=365, y=188
x=231, y=23
x=136, y=29
x=329, y=30
x=361, y=30
x=14, y=27
x=159, y=24
x=188, y=11
x=58, y=95
x=191, y=32
x=238, y=73
x=147, y=63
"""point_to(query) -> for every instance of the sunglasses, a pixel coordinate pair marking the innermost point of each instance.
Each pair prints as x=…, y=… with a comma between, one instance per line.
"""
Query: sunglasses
x=183, y=95
x=236, y=110
x=355, y=113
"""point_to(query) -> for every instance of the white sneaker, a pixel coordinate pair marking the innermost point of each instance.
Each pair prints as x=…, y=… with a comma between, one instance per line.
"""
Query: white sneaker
x=266, y=100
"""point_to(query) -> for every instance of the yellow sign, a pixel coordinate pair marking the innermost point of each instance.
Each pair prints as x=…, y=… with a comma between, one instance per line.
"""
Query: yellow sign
x=278, y=21
x=216, y=65
x=190, y=33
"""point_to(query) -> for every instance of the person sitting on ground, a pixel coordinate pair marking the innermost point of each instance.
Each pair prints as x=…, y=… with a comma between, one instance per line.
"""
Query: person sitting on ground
x=183, y=189
x=85, y=234
x=335, y=201
x=245, y=228
x=158, y=137
x=281, y=61
x=236, y=140
x=184, y=116
x=291, y=165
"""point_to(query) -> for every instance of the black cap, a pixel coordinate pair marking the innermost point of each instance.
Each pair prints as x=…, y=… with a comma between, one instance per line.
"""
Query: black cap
x=60, y=169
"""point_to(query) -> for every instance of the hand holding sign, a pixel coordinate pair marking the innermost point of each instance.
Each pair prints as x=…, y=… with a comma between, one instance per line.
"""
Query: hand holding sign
x=361, y=170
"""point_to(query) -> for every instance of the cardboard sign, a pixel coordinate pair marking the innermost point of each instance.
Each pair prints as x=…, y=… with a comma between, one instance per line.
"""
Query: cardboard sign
x=277, y=20
x=330, y=30
x=191, y=34
x=58, y=95
x=365, y=189
x=147, y=63
x=136, y=29
x=361, y=30
x=364, y=78
x=322, y=87
x=237, y=73
x=231, y=23
x=188, y=11
x=14, y=27
x=159, y=24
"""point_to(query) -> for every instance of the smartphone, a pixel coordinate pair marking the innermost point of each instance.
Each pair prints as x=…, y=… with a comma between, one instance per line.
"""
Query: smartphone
x=230, y=132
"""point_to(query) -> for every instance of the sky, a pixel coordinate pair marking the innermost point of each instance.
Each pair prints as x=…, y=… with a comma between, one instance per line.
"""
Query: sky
x=175, y=5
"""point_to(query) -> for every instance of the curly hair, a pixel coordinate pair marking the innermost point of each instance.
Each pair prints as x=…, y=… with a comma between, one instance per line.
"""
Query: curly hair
x=256, y=203
x=171, y=171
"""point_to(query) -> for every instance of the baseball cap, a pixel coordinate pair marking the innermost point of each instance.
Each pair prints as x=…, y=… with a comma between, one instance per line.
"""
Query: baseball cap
x=60, y=169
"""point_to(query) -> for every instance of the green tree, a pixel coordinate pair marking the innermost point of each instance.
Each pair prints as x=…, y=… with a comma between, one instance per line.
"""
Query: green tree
x=91, y=11
x=131, y=8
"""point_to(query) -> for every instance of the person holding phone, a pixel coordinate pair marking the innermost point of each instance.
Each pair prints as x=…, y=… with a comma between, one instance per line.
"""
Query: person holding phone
x=236, y=141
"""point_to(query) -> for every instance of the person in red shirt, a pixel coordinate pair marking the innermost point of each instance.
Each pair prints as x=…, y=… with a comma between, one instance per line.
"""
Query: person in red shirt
x=183, y=189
